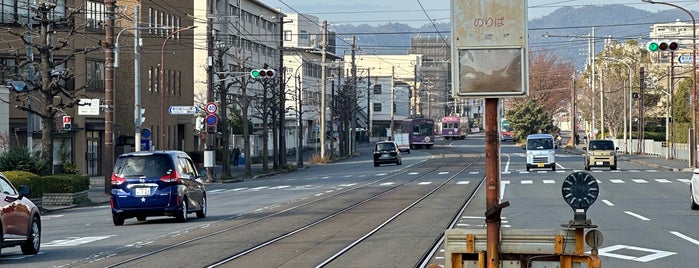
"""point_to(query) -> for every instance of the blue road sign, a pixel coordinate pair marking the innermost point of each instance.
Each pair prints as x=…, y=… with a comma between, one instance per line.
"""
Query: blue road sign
x=145, y=133
x=684, y=59
x=145, y=145
x=211, y=120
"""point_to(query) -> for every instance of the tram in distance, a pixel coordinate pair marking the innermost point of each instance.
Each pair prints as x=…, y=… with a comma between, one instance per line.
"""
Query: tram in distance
x=454, y=127
x=421, y=132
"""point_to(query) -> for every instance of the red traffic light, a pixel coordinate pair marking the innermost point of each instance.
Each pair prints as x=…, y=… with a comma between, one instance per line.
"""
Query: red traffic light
x=67, y=119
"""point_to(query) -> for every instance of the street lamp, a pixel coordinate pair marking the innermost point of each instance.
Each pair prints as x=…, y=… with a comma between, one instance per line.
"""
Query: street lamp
x=693, y=133
x=137, y=75
x=161, y=87
x=627, y=143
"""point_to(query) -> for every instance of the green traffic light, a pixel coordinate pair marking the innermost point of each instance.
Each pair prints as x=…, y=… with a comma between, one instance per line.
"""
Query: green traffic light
x=653, y=46
x=255, y=73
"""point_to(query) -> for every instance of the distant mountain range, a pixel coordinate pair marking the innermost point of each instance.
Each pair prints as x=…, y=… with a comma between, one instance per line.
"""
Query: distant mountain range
x=568, y=29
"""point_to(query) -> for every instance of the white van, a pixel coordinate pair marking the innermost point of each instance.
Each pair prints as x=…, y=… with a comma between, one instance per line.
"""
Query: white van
x=541, y=151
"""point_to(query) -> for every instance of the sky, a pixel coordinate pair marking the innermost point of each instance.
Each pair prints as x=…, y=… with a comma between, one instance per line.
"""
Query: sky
x=375, y=12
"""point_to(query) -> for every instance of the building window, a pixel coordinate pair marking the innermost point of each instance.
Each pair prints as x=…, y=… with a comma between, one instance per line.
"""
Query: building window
x=377, y=89
x=94, y=15
x=178, y=82
x=287, y=35
x=19, y=11
x=150, y=79
x=377, y=106
x=94, y=76
x=8, y=70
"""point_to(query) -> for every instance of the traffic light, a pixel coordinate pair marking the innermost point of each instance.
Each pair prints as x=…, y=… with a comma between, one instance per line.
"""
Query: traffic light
x=142, y=116
x=67, y=122
x=668, y=46
x=263, y=73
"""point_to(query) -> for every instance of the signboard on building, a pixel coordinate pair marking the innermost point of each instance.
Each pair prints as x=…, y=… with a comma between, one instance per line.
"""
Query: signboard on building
x=89, y=107
x=489, y=48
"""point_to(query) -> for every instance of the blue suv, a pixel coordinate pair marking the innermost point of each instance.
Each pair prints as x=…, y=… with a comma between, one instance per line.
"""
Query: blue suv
x=156, y=183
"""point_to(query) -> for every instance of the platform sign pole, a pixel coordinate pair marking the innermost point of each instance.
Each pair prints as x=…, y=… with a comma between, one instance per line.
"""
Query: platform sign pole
x=489, y=60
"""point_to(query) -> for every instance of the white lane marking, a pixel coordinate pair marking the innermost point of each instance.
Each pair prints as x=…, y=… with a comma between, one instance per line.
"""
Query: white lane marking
x=280, y=187
x=680, y=235
x=609, y=203
x=639, y=181
x=382, y=174
x=473, y=172
x=637, y=216
x=425, y=183
x=74, y=241
x=443, y=173
x=683, y=180
x=502, y=188
x=655, y=254
x=348, y=185
x=412, y=173
x=663, y=181
x=463, y=182
x=387, y=183
x=527, y=182
x=549, y=181
x=617, y=181
x=237, y=189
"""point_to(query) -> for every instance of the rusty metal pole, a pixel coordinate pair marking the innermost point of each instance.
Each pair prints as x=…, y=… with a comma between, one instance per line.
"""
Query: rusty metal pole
x=492, y=177
x=108, y=149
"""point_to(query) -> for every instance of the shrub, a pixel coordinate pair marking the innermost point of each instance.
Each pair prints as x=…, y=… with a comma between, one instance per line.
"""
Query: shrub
x=32, y=180
x=66, y=183
x=22, y=159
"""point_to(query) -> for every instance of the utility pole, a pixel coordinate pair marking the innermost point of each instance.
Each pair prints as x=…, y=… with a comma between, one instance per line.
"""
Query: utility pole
x=282, y=95
x=108, y=151
x=209, y=137
x=137, y=80
x=30, y=79
x=368, y=104
x=393, y=101
x=323, y=77
x=353, y=97
x=642, y=88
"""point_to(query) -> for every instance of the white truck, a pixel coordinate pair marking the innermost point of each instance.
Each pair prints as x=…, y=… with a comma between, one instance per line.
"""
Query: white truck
x=403, y=141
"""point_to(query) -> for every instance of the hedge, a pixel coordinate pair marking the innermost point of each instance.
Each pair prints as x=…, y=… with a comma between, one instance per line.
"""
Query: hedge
x=18, y=178
x=66, y=183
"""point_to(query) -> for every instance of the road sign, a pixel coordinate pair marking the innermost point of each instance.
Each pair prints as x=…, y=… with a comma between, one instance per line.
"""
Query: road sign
x=211, y=120
x=684, y=59
x=183, y=109
x=211, y=108
x=145, y=145
x=89, y=107
x=145, y=133
x=489, y=48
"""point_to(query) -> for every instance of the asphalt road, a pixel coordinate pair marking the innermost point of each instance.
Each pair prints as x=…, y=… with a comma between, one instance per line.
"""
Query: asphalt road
x=643, y=212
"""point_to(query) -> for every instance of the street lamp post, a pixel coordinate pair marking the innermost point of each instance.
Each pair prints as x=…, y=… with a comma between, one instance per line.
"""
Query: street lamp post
x=137, y=74
x=161, y=86
x=627, y=144
x=692, y=101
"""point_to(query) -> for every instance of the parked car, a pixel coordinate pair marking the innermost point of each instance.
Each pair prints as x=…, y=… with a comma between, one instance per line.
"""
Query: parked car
x=156, y=183
x=600, y=153
x=20, y=218
x=507, y=136
x=387, y=152
x=694, y=190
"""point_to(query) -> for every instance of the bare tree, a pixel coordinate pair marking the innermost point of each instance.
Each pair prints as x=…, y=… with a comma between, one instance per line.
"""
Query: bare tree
x=52, y=68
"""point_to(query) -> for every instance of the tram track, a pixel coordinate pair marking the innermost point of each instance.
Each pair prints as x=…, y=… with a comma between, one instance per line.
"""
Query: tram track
x=351, y=198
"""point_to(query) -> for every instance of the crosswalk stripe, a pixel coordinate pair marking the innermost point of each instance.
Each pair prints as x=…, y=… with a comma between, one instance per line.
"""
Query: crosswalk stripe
x=639, y=181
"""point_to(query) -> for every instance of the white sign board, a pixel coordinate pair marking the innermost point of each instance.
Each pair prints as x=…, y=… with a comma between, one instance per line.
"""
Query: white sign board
x=183, y=109
x=89, y=107
x=489, y=48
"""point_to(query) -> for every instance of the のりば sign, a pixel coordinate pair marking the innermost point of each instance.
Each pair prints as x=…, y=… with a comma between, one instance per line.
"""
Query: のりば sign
x=489, y=48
